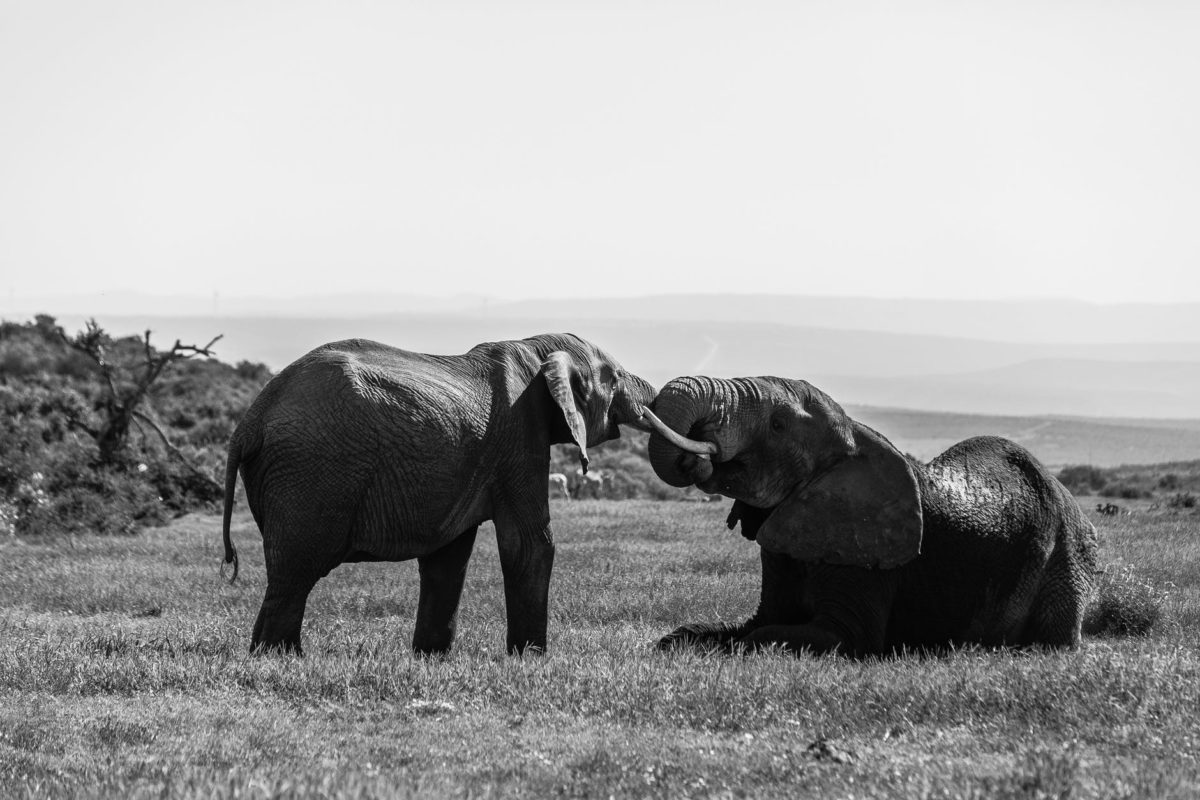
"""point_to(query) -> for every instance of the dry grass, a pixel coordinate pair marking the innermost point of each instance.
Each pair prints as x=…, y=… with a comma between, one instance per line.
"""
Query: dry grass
x=124, y=672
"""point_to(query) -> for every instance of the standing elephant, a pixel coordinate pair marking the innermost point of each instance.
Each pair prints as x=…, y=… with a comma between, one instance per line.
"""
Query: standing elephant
x=864, y=550
x=363, y=452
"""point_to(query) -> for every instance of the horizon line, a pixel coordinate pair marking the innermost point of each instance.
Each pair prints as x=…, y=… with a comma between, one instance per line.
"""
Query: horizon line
x=218, y=296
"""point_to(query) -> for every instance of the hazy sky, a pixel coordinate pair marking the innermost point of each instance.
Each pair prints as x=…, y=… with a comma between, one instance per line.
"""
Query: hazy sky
x=520, y=149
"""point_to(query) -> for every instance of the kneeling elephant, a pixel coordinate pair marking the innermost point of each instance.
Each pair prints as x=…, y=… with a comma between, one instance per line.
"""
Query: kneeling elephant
x=864, y=550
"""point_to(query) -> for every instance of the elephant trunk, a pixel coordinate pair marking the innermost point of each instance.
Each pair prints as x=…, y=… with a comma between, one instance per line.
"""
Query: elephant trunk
x=637, y=395
x=630, y=403
x=690, y=412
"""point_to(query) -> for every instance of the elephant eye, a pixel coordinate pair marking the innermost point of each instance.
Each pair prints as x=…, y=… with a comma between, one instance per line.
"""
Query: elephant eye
x=777, y=424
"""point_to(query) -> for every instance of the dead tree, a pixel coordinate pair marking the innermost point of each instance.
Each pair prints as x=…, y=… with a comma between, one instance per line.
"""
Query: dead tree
x=125, y=383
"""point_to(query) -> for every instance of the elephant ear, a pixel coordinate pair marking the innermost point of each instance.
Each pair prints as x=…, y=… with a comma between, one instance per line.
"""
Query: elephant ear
x=863, y=511
x=557, y=369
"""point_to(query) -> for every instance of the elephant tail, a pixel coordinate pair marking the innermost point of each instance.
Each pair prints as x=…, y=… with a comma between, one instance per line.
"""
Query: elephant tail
x=231, y=472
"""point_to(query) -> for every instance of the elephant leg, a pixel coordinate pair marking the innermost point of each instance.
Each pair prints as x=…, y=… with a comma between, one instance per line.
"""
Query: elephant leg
x=702, y=636
x=1056, y=619
x=298, y=555
x=279, y=619
x=783, y=600
x=526, y=559
x=442, y=575
x=851, y=607
x=795, y=638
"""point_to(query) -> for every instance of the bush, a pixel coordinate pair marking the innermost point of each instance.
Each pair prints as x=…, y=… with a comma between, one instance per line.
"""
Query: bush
x=180, y=489
x=1083, y=478
x=53, y=402
x=1182, y=500
x=1124, y=605
x=81, y=497
x=1128, y=489
x=1170, y=482
x=1132, y=481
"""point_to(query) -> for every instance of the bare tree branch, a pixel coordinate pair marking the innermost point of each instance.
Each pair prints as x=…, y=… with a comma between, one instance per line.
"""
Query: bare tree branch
x=76, y=424
x=119, y=405
x=175, y=451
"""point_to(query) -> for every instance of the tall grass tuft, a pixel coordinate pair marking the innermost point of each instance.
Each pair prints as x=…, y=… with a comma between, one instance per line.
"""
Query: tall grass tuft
x=1125, y=605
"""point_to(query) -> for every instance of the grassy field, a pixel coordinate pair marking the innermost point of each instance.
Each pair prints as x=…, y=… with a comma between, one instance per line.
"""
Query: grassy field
x=123, y=672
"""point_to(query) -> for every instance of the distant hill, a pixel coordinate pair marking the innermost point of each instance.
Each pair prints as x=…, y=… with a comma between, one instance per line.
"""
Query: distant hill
x=1030, y=321
x=1044, y=370
x=1061, y=386
x=1056, y=441
x=920, y=372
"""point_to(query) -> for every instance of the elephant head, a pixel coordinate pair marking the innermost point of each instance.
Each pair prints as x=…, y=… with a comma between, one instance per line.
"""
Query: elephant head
x=593, y=392
x=833, y=490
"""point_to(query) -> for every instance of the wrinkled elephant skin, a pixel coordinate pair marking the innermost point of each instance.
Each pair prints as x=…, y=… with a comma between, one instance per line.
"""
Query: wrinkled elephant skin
x=363, y=452
x=865, y=550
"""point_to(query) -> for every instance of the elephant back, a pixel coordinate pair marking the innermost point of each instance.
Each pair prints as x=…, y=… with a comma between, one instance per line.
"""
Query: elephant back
x=993, y=491
x=1008, y=541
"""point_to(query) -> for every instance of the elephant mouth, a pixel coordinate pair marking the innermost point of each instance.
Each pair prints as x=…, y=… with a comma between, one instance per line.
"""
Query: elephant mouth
x=731, y=478
x=739, y=479
x=688, y=454
x=715, y=483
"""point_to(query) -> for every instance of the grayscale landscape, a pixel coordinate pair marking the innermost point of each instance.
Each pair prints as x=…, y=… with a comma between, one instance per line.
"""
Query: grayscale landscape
x=941, y=538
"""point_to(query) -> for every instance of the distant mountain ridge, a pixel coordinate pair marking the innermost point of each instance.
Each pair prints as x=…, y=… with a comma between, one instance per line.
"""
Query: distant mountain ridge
x=1031, y=321
x=910, y=371
x=1121, y=383
x=1056, y=441
x=1082, y=387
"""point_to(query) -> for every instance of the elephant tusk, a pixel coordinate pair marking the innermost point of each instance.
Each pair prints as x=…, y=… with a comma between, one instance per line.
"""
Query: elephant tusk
x=680, y=441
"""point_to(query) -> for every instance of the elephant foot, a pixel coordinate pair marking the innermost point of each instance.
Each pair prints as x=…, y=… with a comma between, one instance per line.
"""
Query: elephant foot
x=442, y=575
x=278, y=625
x=432, y=653
x=276, y=649
x=794, y=640
x=708, y=637
x=438, y=644
x=748, y=647
x=527, y=649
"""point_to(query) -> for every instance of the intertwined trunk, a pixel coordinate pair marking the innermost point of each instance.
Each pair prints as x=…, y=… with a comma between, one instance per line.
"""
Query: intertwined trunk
x=683, y=405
